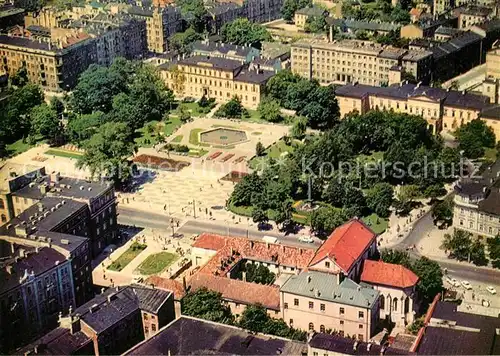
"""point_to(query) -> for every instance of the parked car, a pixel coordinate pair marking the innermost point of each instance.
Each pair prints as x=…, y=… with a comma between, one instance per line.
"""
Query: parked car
x=491, y=290
x=466, y=285
x=453, y=282
x=307, y=239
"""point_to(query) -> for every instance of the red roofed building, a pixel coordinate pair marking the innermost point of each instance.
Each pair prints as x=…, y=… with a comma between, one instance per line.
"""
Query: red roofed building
x=345, y=250
x=170, y=285
x=396, y=285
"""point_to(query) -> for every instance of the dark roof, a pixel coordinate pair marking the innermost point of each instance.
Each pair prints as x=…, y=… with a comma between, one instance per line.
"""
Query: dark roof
x=187, y=336
x=35, y=262
x=491, y=112
x=223, y=48
x=471, y=334
x=215, y=63
x=311, y=11
x=362, y=25
x=489, y=25
x=26, y=43
x=447, y=31
x=254, y=76
x=59, y=341
x=475, y=10
x=110, y=307
x=140, y=11
x=491, y=204
x=346, y=346
x=450, y=98
x=220, y=9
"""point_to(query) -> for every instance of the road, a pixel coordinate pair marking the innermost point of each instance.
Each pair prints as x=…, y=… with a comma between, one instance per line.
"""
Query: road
x=128, y=216
x=460, y=270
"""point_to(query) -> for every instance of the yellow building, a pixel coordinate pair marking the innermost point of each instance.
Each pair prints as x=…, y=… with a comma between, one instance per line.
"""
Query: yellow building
x=493, y=64
x=301, y=16
x=443, y=109
x=351, y=61
x=218, y=78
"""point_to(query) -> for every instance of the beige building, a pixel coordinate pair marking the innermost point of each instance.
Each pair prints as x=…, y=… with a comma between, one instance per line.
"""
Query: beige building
x=477, y=202
x=440, y=6
x=493, y=64
x=443, y=109
x=364, y=62
x=316, y=301
x=218, y=78
x=302, y=15
x=472, y=15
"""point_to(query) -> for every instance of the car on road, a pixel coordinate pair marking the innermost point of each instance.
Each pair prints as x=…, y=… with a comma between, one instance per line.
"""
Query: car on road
x=453, y=282
x=491, y=290
x=307, y=239
x=137, y=279
x=466, y=285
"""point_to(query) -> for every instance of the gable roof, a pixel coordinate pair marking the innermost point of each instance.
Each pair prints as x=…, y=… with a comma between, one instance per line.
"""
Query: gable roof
x=239, y=291
x=388, y=274
x=167, y=284
x=346, y=244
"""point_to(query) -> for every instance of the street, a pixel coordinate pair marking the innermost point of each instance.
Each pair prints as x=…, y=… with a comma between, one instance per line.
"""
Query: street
x=128, y=216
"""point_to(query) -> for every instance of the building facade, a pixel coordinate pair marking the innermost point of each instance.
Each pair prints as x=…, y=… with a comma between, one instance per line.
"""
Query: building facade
x=350, y=61
x=217, y=78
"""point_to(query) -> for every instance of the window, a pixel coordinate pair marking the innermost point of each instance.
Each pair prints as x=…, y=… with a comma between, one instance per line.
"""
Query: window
x=361, y=315
x=3, y=218
x=382, y=302
x=296, y=302
x=286, y=306
x=360, y=326
x=342, y=322
x=321, y=328
x=327, y=264
x=360, y=337
x=315, y=354
x=342, y=311
x=311, y=305
x=2, y=204
x=291, y=322
x=322, y=307
x=395, y=306
x=145, y=316
x=311, y=326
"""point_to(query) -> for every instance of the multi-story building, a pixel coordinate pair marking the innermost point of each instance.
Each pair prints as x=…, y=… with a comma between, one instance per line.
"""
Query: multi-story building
x=493, y=64
x=302, y=15
x=37, y=283
x=10, y=16
x=218, y=78
x=469, y=16
x=53, y=65
x=351, y=26
x=477, y=202
x=220, y=14
x=224, y=50
x=161, y=23
x=258, y=10
x=441, y=6
x=443, y=109
x=110, y=323
x=351, y=61
x=446, y=33
x=427, y=27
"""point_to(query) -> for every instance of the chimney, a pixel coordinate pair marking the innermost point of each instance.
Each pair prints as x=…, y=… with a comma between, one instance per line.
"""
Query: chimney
x=43, y=189
x=55, y=177
x=309, y=278
x=244, y=276
x=252, y=244
x=184, y=284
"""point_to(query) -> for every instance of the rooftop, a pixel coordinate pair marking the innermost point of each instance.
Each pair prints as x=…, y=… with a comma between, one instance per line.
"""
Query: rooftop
x=448, y=31
x=347, y=346
x=363, y=25
x=212, y=63
x=388, y=274
x=59, y=341
x=188, y=336
x=167, y=284
x=323, y=286
x=254, y=76
x=474, y=10
x=11, y=171
x=311, y=11
x=6, y=11
x=238, y=291
x=346, y=244
x=214, y=48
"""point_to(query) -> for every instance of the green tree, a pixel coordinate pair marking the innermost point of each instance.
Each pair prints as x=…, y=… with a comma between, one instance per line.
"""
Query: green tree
x=431, y=278
x=494, y=250
x=258, y=273
x=82, y=127
x=299, y=127
x=207, y=305
x=405, y=198
x=107, y=151
x=245, y=191
x=184, y=114
x=269, y=110
x=20, y=78
x=259, y=216
x=415, y=327
x=15, y=121
x=458, y=245
x=290, y=6
x=315, y=24
x=443, y=212
x=478, y=254
x=397, y=257
x=284, y=213
x=58, y=106
x=44, y=122
x=473, y=137
x=181, y=41
x=379, y=199
x=254, y=318
x=259, y=149
x=324, y=220
x=231, y=109
x=245, y=33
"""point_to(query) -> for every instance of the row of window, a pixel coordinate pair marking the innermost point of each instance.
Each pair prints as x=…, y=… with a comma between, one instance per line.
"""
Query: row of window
x=322, y=307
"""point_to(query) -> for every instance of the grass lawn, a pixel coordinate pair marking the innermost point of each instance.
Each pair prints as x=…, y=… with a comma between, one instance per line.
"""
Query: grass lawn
x=17, y=147
x=194, y=138
x=254, y=116
x=171, y=125
x=241, y=210
x=197, y=153
x=177, y=138
x=372, y=157
x=371, y=220
x=126, y=257
x=157, y=263
x=63, y=153
x=274, y=151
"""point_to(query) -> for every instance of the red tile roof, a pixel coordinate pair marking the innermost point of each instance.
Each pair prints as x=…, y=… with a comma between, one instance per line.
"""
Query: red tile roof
x=167, y=284
x=388, y=274
x=238, y=291
x=416, y=12
x=346, y=244
x=232, y=249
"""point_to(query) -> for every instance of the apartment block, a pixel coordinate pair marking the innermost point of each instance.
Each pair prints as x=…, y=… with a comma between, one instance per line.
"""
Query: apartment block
x=54, y=66
x=364, y=62
x=471, y=15
x=443, y=109
x=477, y=202
x=161, y=23
x=110, y=323
x=218, y=78
x=493, y=64
x=302, y=15
x=220, y=14
x=10, y=16
x=209, y=48
x=258, y=10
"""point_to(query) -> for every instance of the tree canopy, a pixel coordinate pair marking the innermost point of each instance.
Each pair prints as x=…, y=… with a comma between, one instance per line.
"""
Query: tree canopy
x=473, y=137
x=208, y=305
x=290, y=6
x=242, y=32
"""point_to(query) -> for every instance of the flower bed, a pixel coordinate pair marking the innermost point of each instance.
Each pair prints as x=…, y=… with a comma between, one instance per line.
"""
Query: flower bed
x=227, y=157
x=164, y=164
x=214, y=155
x=234, y=176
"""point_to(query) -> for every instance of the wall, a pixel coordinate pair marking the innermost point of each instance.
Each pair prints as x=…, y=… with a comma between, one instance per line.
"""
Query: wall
x=399, y=314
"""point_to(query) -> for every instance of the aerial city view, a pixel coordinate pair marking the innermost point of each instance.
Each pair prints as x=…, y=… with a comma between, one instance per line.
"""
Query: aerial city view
x=250, y=177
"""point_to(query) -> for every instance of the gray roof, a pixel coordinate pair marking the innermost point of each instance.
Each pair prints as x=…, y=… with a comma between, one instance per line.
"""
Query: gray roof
x=323, y=286
x=254, y=76
x=347, y=346
x=216, y=62
x=190, y=336
x=26, y=43
x=491, y=204
x=140, y=11
x=203, y=47
x=59, y=341
x=311, y=11
x=112, y=306
x=220, y=9
x=492, y=112
x=490, y=25
x=449, y=98
x=474, y=10
x=447, y=31
x=363, y=25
